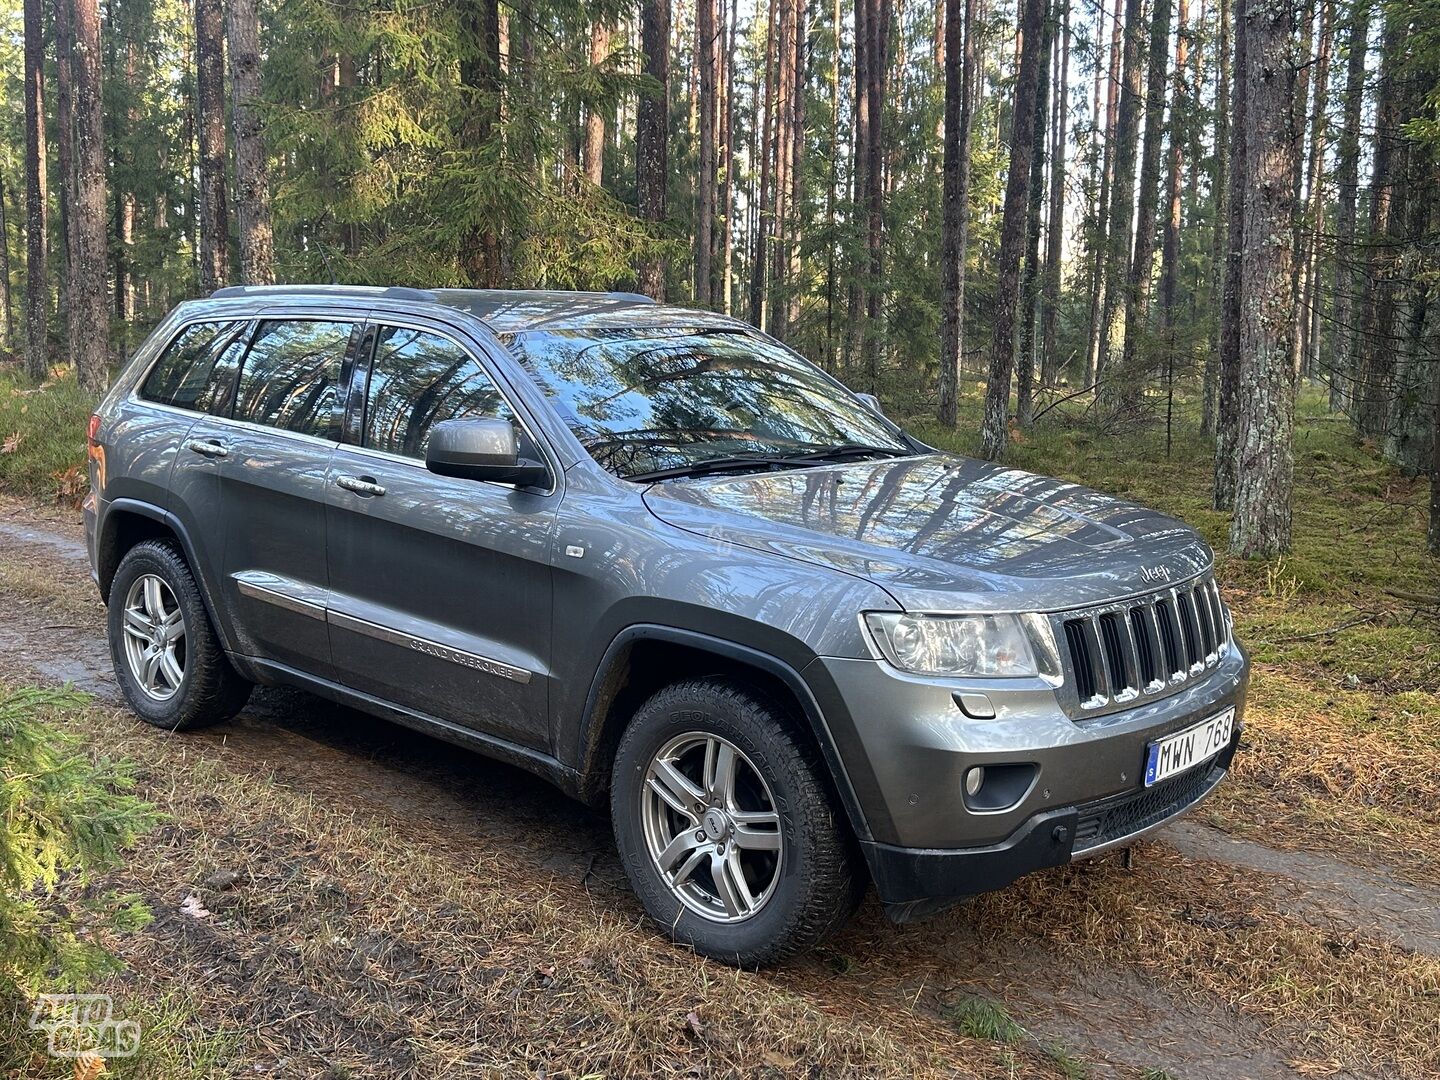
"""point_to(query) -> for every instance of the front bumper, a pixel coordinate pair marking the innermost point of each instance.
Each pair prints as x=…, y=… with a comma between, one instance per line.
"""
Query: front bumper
x=907, y=745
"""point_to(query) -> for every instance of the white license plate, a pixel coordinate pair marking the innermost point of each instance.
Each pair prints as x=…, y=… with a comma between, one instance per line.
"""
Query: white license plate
x=1199, y=742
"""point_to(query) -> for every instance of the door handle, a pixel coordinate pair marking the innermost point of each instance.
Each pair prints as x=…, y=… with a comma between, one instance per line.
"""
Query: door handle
x=207, y=448
x=360, y=485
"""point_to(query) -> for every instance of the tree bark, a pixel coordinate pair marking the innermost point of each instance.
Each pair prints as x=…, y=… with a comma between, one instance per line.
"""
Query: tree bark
x=1095, y=327
x=1120, y=228
x=1265, y=403
x=1030, y=283
x=480, y=72
x=1050, y=299
x=1170, y=247
x=797, y=168
x=1220, y=235
x=252, y=171
x=705, y=30
x=1135, y=368
x=7, y=301
x=210, y=122
x=1226, y=421
x=89, y=296
x=652, y=138
x=877, y=67
x=955, y=211
x=994, y=434
x=759, y=272
x=593, y=152
x=37, y=285
x=65, y=148
x=1347, y=179
x=1308, y=245
x=1376, y=348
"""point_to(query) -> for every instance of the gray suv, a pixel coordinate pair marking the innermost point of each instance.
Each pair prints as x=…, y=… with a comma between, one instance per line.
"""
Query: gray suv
x=657, y=558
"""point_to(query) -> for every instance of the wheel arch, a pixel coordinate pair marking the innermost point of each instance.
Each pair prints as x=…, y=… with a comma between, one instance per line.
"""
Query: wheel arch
x=129, y=522
x=643, y=658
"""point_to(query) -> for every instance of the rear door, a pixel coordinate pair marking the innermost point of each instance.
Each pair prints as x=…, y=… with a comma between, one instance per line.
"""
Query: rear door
x=440, y=587
x=278, y=443
x=179, y=419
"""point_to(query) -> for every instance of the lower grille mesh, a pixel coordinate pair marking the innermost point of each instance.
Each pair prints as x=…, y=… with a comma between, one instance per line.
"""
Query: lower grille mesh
x=1104, y=822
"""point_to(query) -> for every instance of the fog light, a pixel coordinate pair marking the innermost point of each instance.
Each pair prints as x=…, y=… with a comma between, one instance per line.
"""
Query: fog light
x=974, y=781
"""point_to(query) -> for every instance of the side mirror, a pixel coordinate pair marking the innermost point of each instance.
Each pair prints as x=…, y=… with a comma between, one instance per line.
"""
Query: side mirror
x=872, y=403
x=482, y=450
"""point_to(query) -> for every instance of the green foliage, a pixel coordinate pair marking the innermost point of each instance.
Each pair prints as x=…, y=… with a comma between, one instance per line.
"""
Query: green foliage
x=63, y=814
x=42, y=435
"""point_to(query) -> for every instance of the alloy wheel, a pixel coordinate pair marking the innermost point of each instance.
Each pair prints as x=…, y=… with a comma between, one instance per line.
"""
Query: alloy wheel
x=711, y=827
x=154, y=637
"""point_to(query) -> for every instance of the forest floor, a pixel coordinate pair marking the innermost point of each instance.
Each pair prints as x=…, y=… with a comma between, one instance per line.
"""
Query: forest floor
x=379, y=904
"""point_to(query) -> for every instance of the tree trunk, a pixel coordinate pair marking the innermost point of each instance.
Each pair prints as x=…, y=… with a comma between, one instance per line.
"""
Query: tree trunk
x=1265, y=404
x=705, y=23
x=1120, y=228
x=652, y=139
x=37, y=285
x=995, y=434
x=959, y=118
x=89, y=306
x=1135, y=367
x=1095, y=327
x=1226, y=422
x=877, y=67
x=1347, y=180
x=252, y=172
x=480, y=72
x=1050, y=299
x=1170, y=248
x=1030, y=283
x=593, y=152
x=797, y=168
x=726, y=206
x=7, y=301
x=210, y=122
x=1307, y=250
x=784, y=119
x=1220, y=235
x=759, y=272
x=65, y=149
x=1375, y=357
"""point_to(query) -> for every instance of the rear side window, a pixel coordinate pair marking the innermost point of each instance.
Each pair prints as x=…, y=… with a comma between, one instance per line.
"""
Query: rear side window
x=291, y=376
x=197, y=370
x=419, y=379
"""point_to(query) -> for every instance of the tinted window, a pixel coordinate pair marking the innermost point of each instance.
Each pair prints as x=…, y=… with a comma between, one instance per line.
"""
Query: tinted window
x=197, y=369
x=291, y=377
x=419, y=379
x=653, y=399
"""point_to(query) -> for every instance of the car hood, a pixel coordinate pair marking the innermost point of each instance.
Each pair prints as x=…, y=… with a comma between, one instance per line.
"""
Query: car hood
x=944, y=533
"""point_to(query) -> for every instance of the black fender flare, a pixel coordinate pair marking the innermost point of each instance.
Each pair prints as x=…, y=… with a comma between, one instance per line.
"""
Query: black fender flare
x=788, y=675
x=105, y=535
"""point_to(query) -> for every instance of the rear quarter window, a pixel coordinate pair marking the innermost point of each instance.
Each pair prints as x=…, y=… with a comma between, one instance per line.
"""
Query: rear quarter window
x=197, y=369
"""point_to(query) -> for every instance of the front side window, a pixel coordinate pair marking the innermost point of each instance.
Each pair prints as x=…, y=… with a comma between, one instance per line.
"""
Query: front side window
x=291, y=376
x=197, y=370
x=418, y=379
x=650, y=400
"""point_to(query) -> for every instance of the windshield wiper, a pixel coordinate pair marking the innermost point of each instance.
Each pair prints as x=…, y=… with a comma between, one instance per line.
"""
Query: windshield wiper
x=718, y=464
x=846, y=450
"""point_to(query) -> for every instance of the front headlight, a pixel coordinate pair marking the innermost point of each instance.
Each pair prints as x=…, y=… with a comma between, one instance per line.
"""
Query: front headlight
x=985, y=646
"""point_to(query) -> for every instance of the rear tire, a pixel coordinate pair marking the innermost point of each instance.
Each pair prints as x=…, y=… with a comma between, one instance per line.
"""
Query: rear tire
x=168, y=660
x=776, y=871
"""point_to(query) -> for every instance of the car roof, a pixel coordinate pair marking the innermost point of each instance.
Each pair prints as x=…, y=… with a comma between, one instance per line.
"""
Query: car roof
x=506, y=311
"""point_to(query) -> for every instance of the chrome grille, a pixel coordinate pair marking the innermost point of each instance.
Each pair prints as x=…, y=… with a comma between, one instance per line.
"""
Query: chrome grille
x=1145, y=647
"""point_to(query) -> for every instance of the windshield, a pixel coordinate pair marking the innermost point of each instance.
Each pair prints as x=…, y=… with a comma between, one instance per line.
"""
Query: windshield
x=647, y=401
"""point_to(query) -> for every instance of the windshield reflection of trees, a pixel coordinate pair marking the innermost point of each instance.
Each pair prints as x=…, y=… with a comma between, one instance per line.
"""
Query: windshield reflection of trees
x=641, y=401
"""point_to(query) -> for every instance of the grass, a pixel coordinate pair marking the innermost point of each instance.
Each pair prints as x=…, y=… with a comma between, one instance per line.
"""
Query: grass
x=42, y=435
x=980, y=1018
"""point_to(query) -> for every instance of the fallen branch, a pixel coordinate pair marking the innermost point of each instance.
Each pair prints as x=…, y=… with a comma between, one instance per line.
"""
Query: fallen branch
x=1329, y=631
x=1062, y=400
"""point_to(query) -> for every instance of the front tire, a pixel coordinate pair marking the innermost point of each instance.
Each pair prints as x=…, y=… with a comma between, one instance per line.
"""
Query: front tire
x=168, y=660
x=727, y=829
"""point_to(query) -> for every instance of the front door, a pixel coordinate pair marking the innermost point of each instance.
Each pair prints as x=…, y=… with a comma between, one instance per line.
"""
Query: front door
x=440, y=588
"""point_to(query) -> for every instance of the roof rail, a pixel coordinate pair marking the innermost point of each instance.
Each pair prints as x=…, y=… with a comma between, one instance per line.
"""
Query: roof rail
x=386, y=292
x=633, y=297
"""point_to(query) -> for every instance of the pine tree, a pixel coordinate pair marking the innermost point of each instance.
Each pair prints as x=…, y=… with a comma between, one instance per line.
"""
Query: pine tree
x=652, y=138
x=1227, y=423
x=960, y=62
x=89, y=307
x=252, y=171
x=213, y=216
x=37, y=285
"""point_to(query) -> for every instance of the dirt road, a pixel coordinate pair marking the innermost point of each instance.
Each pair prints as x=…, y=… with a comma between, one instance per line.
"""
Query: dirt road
x=1109, y=970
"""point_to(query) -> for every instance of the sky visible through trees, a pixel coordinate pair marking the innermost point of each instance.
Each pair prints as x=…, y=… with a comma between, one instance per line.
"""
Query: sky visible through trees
x=1110, y=204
